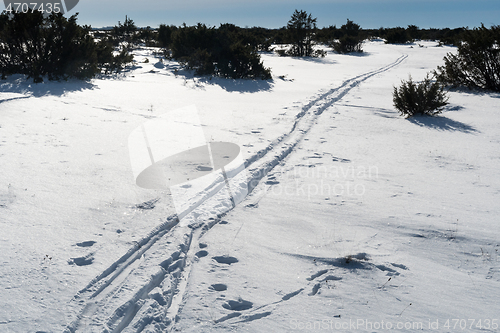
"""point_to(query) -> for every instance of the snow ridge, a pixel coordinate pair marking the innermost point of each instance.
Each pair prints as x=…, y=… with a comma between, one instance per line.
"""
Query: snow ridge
x=144, y=288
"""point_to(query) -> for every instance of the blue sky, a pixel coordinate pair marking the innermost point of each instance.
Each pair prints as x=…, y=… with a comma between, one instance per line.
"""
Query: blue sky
x=276, y=13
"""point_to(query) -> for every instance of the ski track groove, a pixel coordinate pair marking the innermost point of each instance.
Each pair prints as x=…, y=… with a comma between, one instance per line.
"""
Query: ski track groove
x=116, y=283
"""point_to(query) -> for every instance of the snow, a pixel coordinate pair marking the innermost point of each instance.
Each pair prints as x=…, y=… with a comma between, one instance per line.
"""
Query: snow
x=358, y=219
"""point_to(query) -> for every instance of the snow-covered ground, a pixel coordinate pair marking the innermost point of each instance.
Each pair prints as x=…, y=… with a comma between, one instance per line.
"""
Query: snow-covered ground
x=361, y=220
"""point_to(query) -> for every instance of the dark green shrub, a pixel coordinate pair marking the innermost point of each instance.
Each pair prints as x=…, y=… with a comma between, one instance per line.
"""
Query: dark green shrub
x=148, y=36
x=347, y=44
x=281, y=52
x=258, y=38
x=164, y=36
x=326, y=35
x=125, y=34
x=413, y=32
x=108, y=62
x=52, y=46
x=425, y=98
x=451, y=37
x=219, y=52
x=477, y=63
x=397, y=36
x=300, y=30
x=281, y=36
x=351, y=41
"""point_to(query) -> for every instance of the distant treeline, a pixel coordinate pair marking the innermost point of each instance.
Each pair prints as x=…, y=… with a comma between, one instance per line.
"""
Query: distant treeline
x=58, y=48
x=264, y=38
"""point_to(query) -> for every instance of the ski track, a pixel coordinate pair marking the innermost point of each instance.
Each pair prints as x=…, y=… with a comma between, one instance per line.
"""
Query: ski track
x=144, y=288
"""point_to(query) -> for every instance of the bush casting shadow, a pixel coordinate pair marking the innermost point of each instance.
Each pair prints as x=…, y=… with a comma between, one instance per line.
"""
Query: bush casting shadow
x=54, y=48
x=477, y=63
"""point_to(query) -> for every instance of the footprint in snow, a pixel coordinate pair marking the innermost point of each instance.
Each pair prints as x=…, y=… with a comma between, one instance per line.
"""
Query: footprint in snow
x=399, y=266
x=317, y=286
x=225, y=260
x=315, y=289
x=86, y=243
x=318, y=274
x=257, y=316
x=271, y=180
x=239, y=305
x=203, y=168
x=390, y=271
x=229, y=316
x=82, y=261
x=331, y=278
x=292, y=294
x=201, y=254
x=148, y=204
x=218, y=287
x=342, y=160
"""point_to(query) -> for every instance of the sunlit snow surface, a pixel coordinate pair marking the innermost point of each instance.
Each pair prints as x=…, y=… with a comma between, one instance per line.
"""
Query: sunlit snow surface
x=357, y=219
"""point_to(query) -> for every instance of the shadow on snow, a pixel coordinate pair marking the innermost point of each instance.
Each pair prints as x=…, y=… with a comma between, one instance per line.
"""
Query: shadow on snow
x=239, y=85
x=230, y=85
x=20, y=85
x=442, y=123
